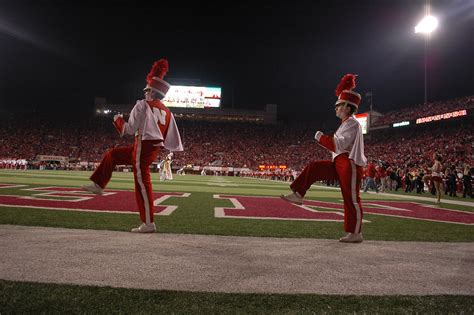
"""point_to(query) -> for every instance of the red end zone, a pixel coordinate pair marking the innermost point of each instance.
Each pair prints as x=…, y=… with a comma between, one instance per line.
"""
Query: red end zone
x=243, y=207
x=252, y=207
x=64, y=198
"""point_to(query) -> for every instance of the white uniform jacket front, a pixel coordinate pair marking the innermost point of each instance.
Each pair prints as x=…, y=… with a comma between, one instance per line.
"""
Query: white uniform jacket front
x=154, y=121
x=347, y=139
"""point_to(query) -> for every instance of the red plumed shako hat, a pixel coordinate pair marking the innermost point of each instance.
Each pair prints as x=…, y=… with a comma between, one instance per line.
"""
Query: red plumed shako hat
x=344, y=91
x=154, y=79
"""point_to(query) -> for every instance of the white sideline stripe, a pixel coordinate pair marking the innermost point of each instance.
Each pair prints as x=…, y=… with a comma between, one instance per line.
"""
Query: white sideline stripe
x=169, y=210
x=433, y=200
x=372, y=204
x=421, y=219
x=49, y=191
x=79, y=195
x=67, y=209
x=78, y=199
x=278, y=218
x=140, y=180
x=452, y=202
x=335, y=211
x=415, y=218
x=11, y=186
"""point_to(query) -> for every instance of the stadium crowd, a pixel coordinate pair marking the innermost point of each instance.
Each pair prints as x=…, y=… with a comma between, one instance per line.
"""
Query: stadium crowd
x=433, y=108
x=403, y=159
x=402, y=154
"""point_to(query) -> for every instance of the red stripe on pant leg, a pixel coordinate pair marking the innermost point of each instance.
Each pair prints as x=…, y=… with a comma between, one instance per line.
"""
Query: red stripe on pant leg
x=352, y=207
x=139, y=199
x=145, y=171
x=360, y=172
x=146, y=151
x=150, y=150
x=112, y=158
x=314, y=171
x=136, y=171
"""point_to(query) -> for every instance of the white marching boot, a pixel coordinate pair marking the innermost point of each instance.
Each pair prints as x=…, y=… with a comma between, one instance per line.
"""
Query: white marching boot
x=145, y=228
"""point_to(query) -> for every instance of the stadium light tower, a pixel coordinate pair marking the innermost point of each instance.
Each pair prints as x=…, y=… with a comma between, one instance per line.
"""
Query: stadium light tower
x=426, y=26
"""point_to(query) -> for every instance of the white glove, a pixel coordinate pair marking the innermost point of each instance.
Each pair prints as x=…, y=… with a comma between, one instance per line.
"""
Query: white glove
x=318, y=135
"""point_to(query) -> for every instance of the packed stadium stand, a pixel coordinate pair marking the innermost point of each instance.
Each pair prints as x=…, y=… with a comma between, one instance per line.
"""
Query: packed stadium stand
x=238, y=144
x=80, y=144
x=430, y=109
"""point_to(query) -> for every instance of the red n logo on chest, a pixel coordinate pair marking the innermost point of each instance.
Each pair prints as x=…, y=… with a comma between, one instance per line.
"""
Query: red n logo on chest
x=162, y=115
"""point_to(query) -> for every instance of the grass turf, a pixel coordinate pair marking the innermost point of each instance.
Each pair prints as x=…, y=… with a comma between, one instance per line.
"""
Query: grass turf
x=195, y=214
x=39, y=298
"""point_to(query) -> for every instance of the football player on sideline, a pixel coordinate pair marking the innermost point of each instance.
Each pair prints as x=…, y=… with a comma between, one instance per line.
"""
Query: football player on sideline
x=154, y=127
x=348, y=160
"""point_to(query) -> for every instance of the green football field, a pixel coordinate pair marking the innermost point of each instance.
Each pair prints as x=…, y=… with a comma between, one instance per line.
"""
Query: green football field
x=196, y=214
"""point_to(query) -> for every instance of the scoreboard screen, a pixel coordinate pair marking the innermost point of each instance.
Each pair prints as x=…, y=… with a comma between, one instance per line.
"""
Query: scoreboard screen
x=193, y=97
x=363, y=121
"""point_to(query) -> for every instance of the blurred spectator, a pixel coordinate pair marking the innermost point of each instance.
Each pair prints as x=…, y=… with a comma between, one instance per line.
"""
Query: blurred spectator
x=370, y=176
x=467, y=182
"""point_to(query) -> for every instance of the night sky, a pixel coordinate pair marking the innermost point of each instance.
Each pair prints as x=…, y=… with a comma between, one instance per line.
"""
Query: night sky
x=57, y=56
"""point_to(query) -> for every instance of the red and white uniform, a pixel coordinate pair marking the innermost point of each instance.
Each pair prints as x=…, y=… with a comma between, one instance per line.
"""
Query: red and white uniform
x=154, y=127
x=348, y=160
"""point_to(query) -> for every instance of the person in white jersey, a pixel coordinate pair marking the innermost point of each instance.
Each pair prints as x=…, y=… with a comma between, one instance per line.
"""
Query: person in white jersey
x=348, y=160
x=168, y=174
x=437, y=174
x=154, y=127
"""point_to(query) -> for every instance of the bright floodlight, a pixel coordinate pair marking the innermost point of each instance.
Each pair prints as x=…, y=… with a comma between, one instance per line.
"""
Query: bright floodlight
x=427, y=25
